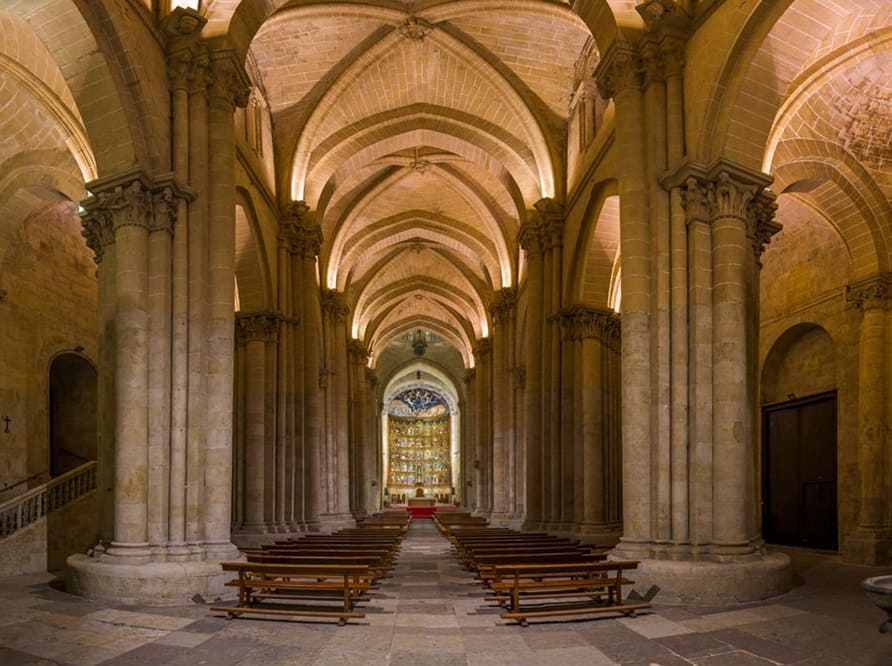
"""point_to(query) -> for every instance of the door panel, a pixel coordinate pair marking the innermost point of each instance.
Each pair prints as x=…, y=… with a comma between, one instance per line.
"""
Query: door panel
x=799, y=473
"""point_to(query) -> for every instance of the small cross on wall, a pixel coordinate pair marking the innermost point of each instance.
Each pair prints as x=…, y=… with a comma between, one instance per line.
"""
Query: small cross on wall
x=6, y=421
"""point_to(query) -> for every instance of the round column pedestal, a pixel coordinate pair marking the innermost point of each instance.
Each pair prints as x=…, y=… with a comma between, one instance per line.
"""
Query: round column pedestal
x=699, y=583
x=153, y=584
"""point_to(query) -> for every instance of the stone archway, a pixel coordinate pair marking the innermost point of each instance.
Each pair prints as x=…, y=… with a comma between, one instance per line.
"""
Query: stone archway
x=800, y=504
x=72, y=413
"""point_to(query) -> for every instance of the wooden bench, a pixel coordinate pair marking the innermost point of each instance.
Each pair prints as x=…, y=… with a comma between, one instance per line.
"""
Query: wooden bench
x=555, y=589
x=262, y=581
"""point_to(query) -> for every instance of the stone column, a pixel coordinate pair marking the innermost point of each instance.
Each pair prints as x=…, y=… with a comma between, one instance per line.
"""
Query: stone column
x=551, y=214
x=619, y=77
x=502, y=312
x=870, y=543
x=593, y=335
x=307, y=243
x=361, y=473
x=186, y=67
x=337, y=474
x=483, y=449
x=229, y=89
x=469, y=426
x=254, y=331
x=530, y=239
x=372, y=444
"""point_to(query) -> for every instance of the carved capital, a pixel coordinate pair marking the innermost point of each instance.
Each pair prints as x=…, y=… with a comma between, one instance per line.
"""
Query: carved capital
x=869, y=294
x=482, y=350
x=695, y=200
x=730, y=197
x=257, y=327
x=182, y=23
x=503, y=307
x=551, y=227
x=229, y=82
x=619, y=70
x=530, y=238
x=581, y=322
x=762, y=221
x=653, y=63
x=334, y=306
x=357, y=352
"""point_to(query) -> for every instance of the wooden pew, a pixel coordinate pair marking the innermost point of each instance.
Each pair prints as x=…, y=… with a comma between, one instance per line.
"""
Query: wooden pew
x=548, y=589
x=268, y=582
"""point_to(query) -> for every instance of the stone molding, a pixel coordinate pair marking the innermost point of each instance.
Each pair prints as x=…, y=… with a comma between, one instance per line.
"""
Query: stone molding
x=130, y=199
x=870, y=293
x=580, y=322
x=257, y=327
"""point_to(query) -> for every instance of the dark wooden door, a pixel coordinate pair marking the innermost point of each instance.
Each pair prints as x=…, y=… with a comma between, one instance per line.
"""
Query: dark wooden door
x=799, y=473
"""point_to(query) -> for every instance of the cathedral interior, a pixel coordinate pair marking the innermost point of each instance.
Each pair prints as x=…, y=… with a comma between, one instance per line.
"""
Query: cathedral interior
x=612, y=270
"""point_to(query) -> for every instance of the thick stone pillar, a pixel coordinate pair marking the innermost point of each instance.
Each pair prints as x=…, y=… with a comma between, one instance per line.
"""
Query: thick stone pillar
x=483, y=449
x=336, y=474
x=469, y=437
x=871, y=542
x=530, y=239
x=229, y=89
x=136, y=216
x=503, y=318
x=361, y=473
x=591, y=351
x=254, y=333
x=619, y=77
x=308, y=240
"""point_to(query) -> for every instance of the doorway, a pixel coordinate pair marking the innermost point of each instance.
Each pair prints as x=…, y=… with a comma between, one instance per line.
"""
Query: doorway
x=799, y=491
x=72, y=413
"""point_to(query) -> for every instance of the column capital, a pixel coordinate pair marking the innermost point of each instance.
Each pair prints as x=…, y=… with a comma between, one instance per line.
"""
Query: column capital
x=257, y=327
x=230, y=84
x=870, y=293
x=297, y=224
x=529, y=237
x=620, y=69
x=357, y=352
x=580, y=322
x=334, y=305
x=721, y=189
x=551, y=221
x=129, y=199
x=503, y=305
x=482, y=350
x=764, y=227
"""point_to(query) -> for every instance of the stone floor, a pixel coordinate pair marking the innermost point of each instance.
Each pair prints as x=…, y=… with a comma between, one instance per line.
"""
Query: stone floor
x=432, y=613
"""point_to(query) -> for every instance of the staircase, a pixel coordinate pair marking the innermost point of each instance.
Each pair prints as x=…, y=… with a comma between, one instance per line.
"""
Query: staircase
x=20, y=511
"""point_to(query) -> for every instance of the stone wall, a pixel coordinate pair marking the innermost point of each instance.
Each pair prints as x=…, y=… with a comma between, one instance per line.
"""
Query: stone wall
x=47, y=278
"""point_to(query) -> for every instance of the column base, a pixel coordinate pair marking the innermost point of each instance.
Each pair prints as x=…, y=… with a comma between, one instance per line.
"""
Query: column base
x=871, y=546
x=151, y=584
x=244, y=541
x=331, y=522
x=709, y=583
x=598, y=534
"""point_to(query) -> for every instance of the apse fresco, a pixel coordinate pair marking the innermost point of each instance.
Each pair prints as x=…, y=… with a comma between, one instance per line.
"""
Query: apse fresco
x=418, y=402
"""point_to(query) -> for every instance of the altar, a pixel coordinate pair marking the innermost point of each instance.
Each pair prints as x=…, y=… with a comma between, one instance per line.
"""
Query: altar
x=421, y=501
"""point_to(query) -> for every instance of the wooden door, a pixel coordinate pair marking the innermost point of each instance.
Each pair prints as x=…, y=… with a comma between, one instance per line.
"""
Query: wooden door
x=799, y=473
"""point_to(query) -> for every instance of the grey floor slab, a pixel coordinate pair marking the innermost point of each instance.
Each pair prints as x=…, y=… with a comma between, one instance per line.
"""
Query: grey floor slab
x=431, y=612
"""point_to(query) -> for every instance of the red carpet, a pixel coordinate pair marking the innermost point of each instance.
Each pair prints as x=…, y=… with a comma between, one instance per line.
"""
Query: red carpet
x=422, y=511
